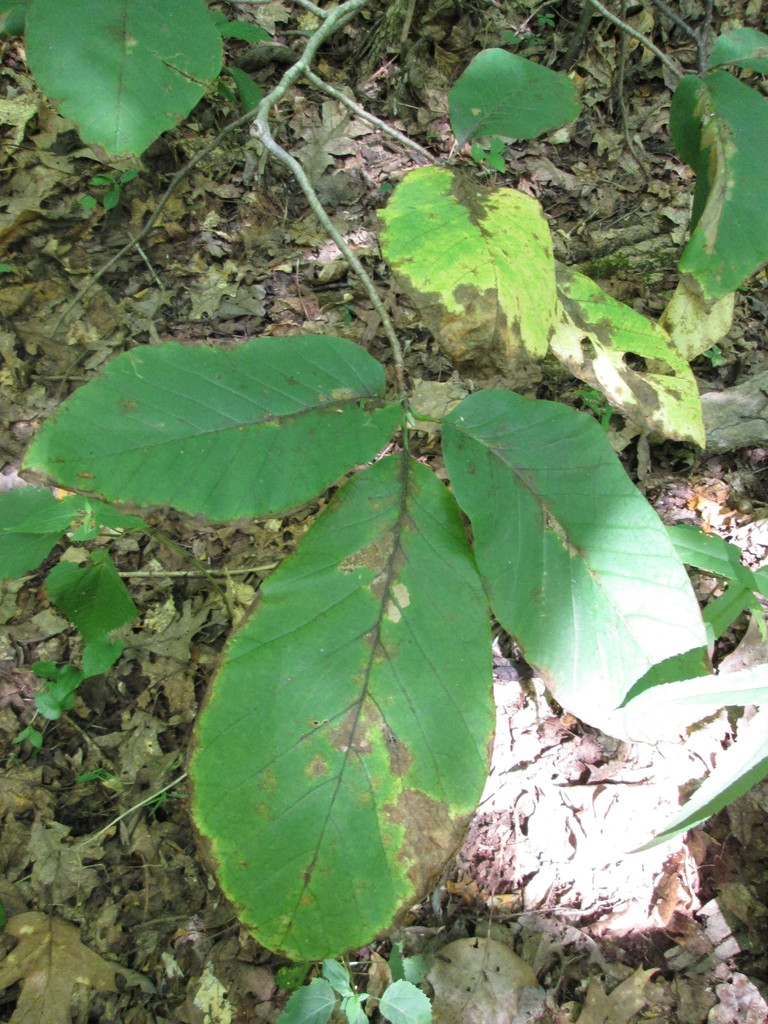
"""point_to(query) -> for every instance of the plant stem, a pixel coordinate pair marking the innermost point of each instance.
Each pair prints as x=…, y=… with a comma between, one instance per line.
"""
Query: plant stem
x=335, y=19
x=356, y=108
x=141, y=803
x=699, y=38
x=180, y=573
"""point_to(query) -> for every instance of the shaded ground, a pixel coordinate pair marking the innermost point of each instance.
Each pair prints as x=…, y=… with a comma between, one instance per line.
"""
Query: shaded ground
x=95, y=829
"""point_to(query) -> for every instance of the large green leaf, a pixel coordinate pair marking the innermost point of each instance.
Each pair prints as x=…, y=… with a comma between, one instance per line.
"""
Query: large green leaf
x=344, y=743
x=597, y=336
x=738, y=769
x=501, y=93
x=29, y=529
x=577, y=565
x=250, y=431
x=124, y=70
x=730, y=224
x=478, y=265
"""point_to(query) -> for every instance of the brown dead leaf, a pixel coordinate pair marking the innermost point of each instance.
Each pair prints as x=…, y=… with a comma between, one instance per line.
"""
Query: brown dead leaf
x=480, y=981
x=58, y=869
x=49, y=961
x=621, y=1006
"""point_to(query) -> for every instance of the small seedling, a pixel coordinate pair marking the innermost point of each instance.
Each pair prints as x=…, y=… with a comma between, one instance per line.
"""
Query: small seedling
x=114, y=187
x=493, y=156
x=402, y=1002
x=714, y=356
x=598, y=405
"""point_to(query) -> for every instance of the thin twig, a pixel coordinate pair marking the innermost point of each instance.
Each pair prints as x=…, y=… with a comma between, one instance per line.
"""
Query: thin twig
x=313, y=8
x=667, y=61
x=136, y=807
x=182, y=573
x=699, y=38
x=265, y=137
x=383, y=127
x=704, y=35
x=336, y=18
x=680, y=22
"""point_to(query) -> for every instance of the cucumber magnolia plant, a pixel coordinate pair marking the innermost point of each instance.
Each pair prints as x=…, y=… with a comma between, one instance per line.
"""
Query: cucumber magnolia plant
x=345, y=740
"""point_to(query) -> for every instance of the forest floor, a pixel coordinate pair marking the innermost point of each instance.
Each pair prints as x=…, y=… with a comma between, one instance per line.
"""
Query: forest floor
x=96, y=836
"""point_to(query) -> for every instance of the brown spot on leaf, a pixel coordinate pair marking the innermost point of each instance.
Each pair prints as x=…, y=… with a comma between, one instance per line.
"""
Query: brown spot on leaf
x=432, y=835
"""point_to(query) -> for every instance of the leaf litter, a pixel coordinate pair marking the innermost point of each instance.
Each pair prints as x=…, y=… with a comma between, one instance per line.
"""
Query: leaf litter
x=677, y=935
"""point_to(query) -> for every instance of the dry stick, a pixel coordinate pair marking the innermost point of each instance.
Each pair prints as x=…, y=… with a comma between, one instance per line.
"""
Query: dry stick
x=383, y=127
x=335, y=19
x=698, y=38
x=187, y=573
x=141, y=803
x=670, y=64
x=265, y=137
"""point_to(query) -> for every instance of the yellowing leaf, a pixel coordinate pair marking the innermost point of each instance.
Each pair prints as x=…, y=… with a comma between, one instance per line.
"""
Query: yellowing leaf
x=694, y=323
x=477, y=263
x=49, y=961
x=596, y=338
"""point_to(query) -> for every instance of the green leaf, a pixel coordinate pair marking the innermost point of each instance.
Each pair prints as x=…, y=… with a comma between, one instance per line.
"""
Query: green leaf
x=403, y=1003
x=23, y=549
x=748, y=686
x=248, y=431
x=578, y=568
x=337, y=977
x=745, y=47
x=82, y=517
x=291, y=977
x=738, y=769
x=33, y=736
x=343, y=746
x=729, y=239
x=124, y=70
x=352, y=1008
x=100, y=655
x=93, y=598
x=58, y=695
x=249, y=93
x=723, y=611
x=112, y=198
x=13, y=18
x=594, y=341
x=312, y=1004
x=239, y=29
x=710, y=553
x=501, y=93
x=477, y=263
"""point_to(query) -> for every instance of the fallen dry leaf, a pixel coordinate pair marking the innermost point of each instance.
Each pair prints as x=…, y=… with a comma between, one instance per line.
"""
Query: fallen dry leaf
x=49, y=961
x=479, y=981
x=621, y=1006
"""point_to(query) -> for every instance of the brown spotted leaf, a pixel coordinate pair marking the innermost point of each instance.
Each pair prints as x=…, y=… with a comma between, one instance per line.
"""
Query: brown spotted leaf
x=477, y=263
x=627, y=357
x=344, y=744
